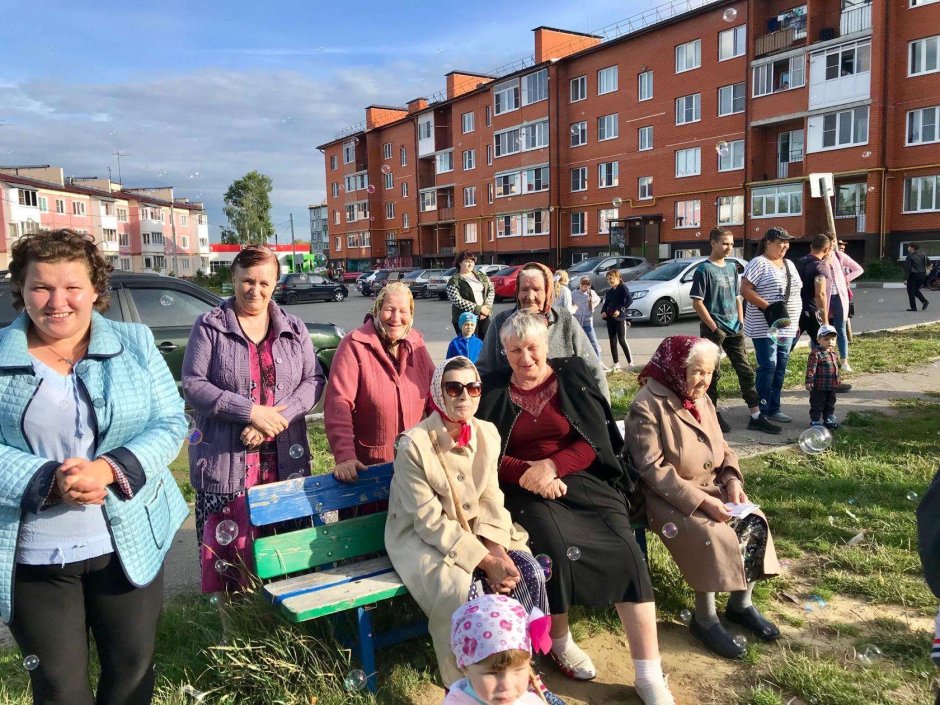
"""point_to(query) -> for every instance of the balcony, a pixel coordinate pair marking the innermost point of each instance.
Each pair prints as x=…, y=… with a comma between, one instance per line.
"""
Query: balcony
x=445, y=214
x=108, y=245
x=854, y=19
x=780, y=40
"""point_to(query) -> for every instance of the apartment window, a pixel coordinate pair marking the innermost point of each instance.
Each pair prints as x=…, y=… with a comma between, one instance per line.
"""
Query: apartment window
x=535, y=222
x=506, y=96
x=731, y=99
x=336, y=217
x=922, y=194
x=845, y=128
x=488, y=115
x=848, y=60
x=28, y=198
x=428, y=201
x=771, y=201
x=350, y=213
x=689, y=56
x=604, y=216
x=578, y=133
x=405, y=222
x=466, y=123
x=107, y=208
x=689, y=108
x=645, y=86
x=332, y=162
x=349, y=152
x=579, y=179
x=122, y=215
x=506, y=142
x=184, y=242
x=355, y=182
x=78, y=208
x=535, y=179
x=469, y=196
x=126, y=264
x=578, y=223
x=109, y=235
x=334, y=189
x=731, y=158
x=404, y=189
x=922, y=125
x=924, y=56
x=730, y=210
x=389, y=180
x=403, y=156
x=469, y=233
x=490, y=193
x=469, y=159
x=338, y=243
x=43, y=204
x=578, y=88
x=59, y=205
x=607, y=127
x=445, y=162
x=389, y=211
x=508, y=184
x=124, y=240
x=645, y=188
x=608, y=174
x=184, y=263
x=689, y=161
x=426, y=127
x=159, y=262
x=184, y=221
x=489, y=155
x=731, y=42
x=850, y=200
x=781, y=75
x=534, y=135
x=644, y=138
x=607, y=80
x=535, y=87
x=688, y=214
x=509, y=226
x=387, y=150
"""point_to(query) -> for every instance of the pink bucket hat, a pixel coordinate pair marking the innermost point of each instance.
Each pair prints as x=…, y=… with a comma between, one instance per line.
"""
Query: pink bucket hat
x=494, y=623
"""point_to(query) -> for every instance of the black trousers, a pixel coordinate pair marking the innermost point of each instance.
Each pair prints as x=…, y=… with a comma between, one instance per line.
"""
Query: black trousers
x=616, y=333
x=734, y=347
x=54, y=607
x=482, y=325
x=914, y=284
x=822, y=404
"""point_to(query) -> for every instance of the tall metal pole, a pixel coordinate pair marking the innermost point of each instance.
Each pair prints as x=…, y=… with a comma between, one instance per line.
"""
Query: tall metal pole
x=293, y=246
x=118, y=153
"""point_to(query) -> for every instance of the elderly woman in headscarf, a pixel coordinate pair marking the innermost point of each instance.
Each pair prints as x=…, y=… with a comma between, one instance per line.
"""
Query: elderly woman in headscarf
x=379, y=383
x=691, y=482
x=535, y=292
x=447, y=526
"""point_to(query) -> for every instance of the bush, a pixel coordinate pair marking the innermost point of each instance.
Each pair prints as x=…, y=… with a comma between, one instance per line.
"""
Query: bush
x=885, y=269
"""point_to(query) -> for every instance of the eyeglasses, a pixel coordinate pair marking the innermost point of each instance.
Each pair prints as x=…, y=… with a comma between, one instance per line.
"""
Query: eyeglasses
x=455, y=389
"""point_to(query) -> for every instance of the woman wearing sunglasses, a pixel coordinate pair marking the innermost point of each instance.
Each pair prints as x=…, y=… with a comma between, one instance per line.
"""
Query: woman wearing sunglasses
x=447, y=527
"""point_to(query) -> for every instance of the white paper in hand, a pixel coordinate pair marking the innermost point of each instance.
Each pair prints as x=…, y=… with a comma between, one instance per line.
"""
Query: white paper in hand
x=739, y=511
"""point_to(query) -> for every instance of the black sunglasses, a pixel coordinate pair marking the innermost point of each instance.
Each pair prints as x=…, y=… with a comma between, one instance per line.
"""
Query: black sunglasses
x=455, y=389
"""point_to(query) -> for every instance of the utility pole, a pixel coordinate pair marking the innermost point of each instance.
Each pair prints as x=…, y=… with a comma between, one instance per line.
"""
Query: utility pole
x=118, y=153
x=293, y=246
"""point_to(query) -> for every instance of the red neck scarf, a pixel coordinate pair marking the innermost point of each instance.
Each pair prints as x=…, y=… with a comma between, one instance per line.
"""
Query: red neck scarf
x=668, y=367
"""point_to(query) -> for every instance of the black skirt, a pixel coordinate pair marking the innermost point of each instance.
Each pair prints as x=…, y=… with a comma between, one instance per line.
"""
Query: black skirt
x=596, y=561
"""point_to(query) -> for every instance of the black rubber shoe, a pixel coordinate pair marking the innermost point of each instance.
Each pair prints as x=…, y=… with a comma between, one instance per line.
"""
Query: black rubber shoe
x=717, y=639
x=923, y=306
x=753, y=620
x=762, y=424
x=843, y=388
x=722, y=423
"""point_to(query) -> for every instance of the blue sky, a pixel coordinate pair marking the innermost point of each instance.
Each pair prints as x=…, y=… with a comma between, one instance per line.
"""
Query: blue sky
x=198, y=93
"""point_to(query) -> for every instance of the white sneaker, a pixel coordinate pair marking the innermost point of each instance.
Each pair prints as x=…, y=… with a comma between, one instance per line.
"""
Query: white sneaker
x=615, y=367
x=846, y=367
x=607, y=370
x=573, y=661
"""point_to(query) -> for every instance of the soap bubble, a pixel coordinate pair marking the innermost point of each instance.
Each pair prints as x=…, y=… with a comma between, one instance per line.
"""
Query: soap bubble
x=196, y=695
x=355, y=140
x=194, y=175
x=723, y=148
x=402, y=441
x=355, y=680
x=296, y=451
x=386, y=169
x=31, y=662
x=808, y=607
x=213, y=600
x=911, y=496
x=866, y=154
x=868, y=654
x=698, y=233
x=546, y=564
x=815, y=439
x=573, y=553
x=818, y=601
x=226, y=531
x=221, y=566
x=730, y=15
x=776, y=330
x=370, y=188
x=195, y=437
x=670, y=530
x=740, y=640
x=617, y=202
x=287, y=120
x=576, y=130
x=166, y=300
x=685, y=616
x=162, y=173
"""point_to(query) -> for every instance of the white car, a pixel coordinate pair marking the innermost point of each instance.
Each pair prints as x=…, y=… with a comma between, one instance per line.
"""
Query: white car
x=662, y=295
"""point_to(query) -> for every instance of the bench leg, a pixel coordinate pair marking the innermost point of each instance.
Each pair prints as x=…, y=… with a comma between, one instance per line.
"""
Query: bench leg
x=640, y=534
x=366, y=647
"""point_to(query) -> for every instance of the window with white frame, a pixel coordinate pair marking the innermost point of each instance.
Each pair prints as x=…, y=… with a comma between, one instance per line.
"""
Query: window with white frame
x=924, y=56
x=578, y=133
x=731, y=157
x=534, y=135
x=469, y=233
x=506, y=96
x=126, y=264
x=338, y=243
x=387, y=150
x=845, y=128
x=604, y=216
x=334, y=189
x=43, y=204
x=535, y=87
x=184, y=263
x=489, y=155
x=389, y=180
x=405, y=221
x=535, y=222
x=508, y=184
x=689, y=214
x=184, y=221
x=469, y=159
x=783, y=199
x=644, y=138
x=490, y=193
x=110, y=235
x=124, y=240
x=444, y=162
x=336, y=217
x=355, y=182
x=466, y=123
x=488, y=115
x=731, y=42
x=122, y=215
x=922, y=194
x=689, y=161
x=332, y=162
x=689, y=108
x=645, y=86
x=689, y=56
x=403, y=156
x=730, y=210
x=404, y=189
x=578, y=223
x=731, y=99
x=428, y=201
x=60, y=205
x=469, y=196
x=781, y=75
x=425, y=127
x=535, y=179
x=850, y=200
x=578, y=88
x=506, y=142
x=607, y=128
x=159, y=262
x=349, y=152
x=918, y=3
x=579, y=178
x=923, y=125
x=184, y=242
x=389, y=211
x=78, y=208
x=608, y=174
x=607, y=80
x=645, y=188
x=28, y=198
x=509, y=225
x=848, y=60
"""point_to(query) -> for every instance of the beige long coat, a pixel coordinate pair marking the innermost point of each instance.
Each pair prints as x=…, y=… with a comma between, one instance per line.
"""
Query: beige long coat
x=681, y=462
x=431, y=551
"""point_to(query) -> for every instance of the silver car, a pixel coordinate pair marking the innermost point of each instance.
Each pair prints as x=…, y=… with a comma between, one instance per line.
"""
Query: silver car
x=596, y=268
x=662, y=295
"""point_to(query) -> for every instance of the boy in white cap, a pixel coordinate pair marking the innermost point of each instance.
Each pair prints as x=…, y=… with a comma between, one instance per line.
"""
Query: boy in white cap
x=822, y=379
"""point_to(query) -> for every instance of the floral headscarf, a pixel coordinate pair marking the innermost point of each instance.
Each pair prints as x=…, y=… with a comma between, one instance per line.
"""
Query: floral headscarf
x=668, y=367
x=494, y=623
x=549, y=284
x=393, y=288
x=437, y=398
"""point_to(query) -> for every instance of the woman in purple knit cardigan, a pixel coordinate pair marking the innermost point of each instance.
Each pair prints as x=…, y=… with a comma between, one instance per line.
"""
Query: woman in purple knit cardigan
x=251, y=375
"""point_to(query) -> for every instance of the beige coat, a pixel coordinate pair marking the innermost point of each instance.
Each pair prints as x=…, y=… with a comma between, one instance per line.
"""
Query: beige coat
x=431, y=551
x=681, y=462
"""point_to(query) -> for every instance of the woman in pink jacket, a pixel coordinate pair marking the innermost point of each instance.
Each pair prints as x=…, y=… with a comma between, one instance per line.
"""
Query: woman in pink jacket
x=379, y=384
x=844, y=270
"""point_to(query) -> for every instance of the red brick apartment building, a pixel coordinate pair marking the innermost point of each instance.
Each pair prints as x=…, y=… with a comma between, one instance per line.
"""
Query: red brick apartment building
x=714, y=116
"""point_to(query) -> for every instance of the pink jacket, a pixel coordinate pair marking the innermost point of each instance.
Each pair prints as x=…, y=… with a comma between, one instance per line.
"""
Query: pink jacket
x=844, y=270
x=457, y=696
x=371, y=398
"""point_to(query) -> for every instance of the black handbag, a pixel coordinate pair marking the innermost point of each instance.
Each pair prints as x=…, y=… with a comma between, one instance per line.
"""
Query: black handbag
x=777, y=311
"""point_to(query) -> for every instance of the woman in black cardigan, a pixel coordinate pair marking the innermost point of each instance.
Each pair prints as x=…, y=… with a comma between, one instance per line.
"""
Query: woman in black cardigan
x=614, y=312
x=470, y=290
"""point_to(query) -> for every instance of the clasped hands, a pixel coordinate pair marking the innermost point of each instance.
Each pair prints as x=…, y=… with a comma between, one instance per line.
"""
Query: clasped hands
x=501, y=573
x=266, y=422
x=542, y=479
x=81, y=481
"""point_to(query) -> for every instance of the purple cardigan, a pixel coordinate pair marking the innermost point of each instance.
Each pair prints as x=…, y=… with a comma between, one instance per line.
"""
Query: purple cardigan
x=217, y=383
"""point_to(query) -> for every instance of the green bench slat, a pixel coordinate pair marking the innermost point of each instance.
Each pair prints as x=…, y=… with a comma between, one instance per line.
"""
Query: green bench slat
x=342, y=597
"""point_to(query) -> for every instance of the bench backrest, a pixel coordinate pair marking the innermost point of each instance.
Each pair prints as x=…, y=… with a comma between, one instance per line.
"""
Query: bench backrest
x=321, y=544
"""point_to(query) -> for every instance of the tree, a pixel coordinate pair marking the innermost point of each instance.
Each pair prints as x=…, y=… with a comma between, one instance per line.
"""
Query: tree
x=248, y=209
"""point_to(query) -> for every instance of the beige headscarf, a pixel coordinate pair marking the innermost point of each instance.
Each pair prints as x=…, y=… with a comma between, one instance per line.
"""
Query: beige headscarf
x=549, y=283
x=393, y=288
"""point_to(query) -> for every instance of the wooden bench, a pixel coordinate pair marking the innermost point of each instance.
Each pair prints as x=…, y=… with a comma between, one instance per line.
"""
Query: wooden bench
x=321, y=588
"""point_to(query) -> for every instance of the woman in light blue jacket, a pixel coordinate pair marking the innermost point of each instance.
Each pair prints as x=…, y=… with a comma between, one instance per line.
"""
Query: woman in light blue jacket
x=90, y=418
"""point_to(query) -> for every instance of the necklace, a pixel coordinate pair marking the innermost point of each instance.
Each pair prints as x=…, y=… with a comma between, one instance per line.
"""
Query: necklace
x=70, y=361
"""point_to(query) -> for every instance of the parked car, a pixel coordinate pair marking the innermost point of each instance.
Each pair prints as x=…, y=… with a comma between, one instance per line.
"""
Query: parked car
x=361, y=280
x=372, y=286
x=351, y=277
x=418, y=281
x=294, y=288
x=437, y=284
x=596, y=268
x=489, y=269
x=504, y=282
x=662, y=295
x=169, y=307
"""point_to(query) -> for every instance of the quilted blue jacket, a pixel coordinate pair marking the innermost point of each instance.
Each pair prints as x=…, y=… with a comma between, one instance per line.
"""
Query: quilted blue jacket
x=140, y=423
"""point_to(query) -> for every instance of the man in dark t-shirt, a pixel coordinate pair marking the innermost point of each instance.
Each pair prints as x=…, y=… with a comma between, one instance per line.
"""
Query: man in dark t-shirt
x=915, y=271
x=816, y=273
